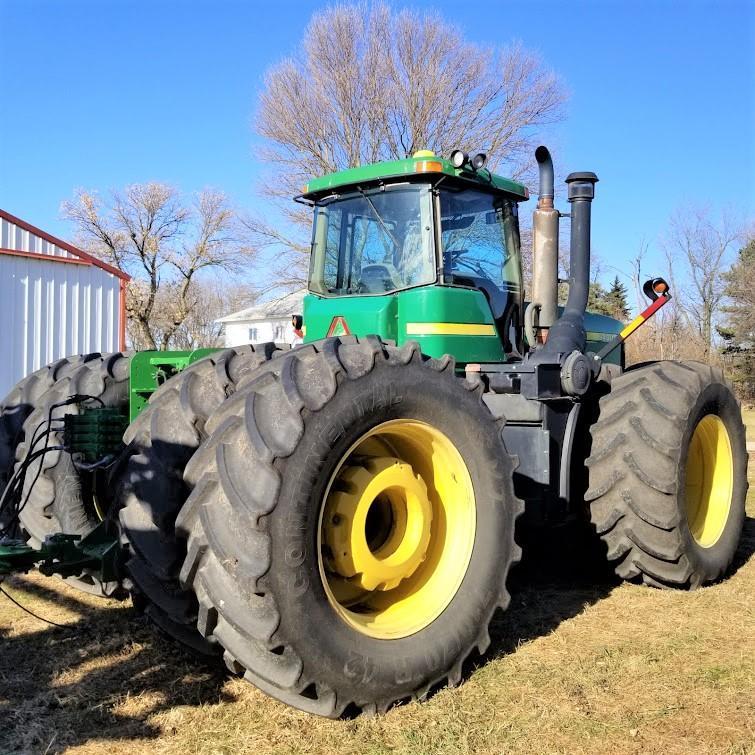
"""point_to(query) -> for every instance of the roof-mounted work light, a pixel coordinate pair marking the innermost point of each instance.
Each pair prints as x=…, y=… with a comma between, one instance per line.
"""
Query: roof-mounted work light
x=479, y=160
x=459, y=158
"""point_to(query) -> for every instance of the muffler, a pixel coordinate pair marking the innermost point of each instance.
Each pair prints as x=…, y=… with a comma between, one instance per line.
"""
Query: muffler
x=544, y=252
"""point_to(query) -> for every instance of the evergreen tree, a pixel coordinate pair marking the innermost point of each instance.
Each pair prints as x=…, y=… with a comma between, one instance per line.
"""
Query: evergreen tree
x=616, y=300
x=597, y=301
x=738, y=331
x=612, y=302
x=740, y=293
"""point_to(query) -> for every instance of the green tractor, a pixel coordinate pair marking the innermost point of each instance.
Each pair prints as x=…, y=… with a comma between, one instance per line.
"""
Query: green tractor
x=338, y=520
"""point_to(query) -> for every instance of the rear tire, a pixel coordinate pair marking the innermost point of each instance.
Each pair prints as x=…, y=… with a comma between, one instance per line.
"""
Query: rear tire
x=261, y=483
x=20, y=403
x=151, y=490
x=668, y=474
x=59, y=498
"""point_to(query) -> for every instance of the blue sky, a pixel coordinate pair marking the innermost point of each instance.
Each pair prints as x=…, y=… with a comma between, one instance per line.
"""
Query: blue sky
x=102, y=94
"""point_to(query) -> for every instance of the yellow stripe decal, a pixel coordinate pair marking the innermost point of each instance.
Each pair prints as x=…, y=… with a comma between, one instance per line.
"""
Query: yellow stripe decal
x=632, y=326
x=449, y=329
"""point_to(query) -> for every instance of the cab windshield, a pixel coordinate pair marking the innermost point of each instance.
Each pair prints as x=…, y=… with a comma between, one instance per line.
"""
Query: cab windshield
x=480, y=238
x=481, y=249
x=373, y=242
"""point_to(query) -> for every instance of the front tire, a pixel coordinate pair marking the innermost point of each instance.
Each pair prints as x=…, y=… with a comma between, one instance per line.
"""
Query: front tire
x=303, y=621
x=668, y=474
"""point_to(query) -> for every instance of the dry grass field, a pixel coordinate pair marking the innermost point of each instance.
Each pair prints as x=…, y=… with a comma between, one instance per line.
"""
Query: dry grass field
x=580, y=663
x=748, y=415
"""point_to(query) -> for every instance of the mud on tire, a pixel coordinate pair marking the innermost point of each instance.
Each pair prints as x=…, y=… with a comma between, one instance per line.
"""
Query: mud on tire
x=252, y=522
x=150, y=487
x=638, y=473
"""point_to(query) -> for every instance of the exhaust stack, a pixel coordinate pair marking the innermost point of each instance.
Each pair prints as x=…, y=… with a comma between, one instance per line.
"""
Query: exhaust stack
x=568, y=334
x=545, y=247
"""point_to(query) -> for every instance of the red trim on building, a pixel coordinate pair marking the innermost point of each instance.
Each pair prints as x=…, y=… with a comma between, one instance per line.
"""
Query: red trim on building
x=122, y=324
x=45, y=257
x=91, y=260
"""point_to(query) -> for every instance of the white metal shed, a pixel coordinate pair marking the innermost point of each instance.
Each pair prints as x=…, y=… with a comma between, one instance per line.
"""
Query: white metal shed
x=55, y=301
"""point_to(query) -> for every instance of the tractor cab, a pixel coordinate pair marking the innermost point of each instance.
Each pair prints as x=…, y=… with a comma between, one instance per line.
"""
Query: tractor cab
x=423, y=248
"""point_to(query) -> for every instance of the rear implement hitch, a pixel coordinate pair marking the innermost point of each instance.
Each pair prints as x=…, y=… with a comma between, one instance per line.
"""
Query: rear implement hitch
x=99, y=553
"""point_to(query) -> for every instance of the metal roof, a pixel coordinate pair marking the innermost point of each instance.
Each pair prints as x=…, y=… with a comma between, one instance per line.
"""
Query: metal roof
x=21, y=239
x=283, y=306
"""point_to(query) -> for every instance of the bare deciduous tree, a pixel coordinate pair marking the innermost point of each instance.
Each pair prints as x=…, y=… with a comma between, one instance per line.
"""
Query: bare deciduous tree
x=696, y=246
x=637, y=276
x=213, y=298
x=373, y=83
x=166, y=245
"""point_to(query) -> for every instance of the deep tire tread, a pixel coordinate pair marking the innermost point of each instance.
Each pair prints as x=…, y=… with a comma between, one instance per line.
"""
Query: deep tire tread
x=222, y=530
x=151, y=489
x=49, y=510
x=633, y=469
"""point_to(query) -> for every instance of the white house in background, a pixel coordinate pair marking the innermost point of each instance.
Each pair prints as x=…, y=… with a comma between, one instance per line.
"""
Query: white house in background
x=267, y=321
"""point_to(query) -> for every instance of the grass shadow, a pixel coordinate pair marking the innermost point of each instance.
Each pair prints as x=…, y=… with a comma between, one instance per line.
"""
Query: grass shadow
x=103, y=676
x=563, y=571
x=746, y=547
x=108, y=673
x=67, y=599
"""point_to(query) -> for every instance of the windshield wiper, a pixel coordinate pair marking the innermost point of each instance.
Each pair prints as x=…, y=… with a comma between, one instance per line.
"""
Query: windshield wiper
x=379, y=218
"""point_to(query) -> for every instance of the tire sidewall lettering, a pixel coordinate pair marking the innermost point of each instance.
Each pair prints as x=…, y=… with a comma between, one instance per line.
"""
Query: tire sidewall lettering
x=371, y=667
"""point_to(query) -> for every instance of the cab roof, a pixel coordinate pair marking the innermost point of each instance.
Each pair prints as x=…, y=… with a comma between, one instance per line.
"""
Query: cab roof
x=421, y=164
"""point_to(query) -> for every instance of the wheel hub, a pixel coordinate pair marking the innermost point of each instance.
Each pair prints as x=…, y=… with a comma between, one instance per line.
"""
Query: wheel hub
x=377, y=526
x=710, y=480
x=397, y=529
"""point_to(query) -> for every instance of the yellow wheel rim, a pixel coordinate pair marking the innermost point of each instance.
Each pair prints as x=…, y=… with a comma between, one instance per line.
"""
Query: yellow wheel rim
x=396, y=529
x=710, y=480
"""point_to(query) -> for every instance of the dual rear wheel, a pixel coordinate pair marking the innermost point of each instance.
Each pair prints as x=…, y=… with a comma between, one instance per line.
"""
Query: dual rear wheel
x=57, y=496
x=392, y=550
x=350, y=526
x=350, y=517
x=338, y=520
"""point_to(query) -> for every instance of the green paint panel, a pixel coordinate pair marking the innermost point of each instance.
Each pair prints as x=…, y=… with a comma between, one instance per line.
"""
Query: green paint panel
x=445, y=304
x=150, y=369
x=388, y=315
x=362, y=315
x=395, y=169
